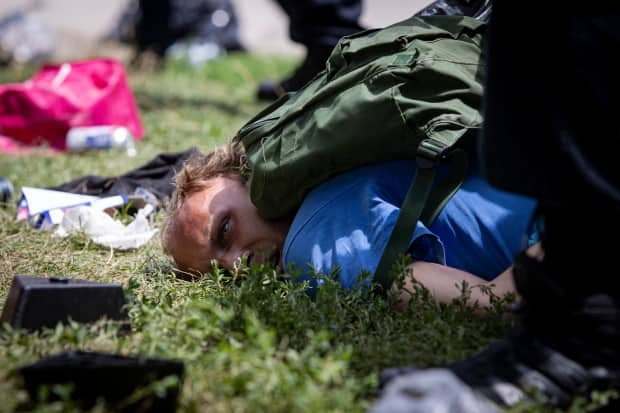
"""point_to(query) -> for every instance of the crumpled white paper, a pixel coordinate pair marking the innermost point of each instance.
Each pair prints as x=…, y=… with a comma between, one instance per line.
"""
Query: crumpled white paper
x=435, y=390
x=105, y=230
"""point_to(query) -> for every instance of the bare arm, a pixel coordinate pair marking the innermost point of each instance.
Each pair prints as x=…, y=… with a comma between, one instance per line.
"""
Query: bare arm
x=443, y=281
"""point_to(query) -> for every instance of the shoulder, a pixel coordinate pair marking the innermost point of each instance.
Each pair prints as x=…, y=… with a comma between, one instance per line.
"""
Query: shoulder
x=345, y=223
x=356, y=196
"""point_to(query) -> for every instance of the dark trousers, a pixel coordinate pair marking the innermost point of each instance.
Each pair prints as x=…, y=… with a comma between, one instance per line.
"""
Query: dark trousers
x=552, y=132
x=153, y=29
x=160, y=23
x=322, y=22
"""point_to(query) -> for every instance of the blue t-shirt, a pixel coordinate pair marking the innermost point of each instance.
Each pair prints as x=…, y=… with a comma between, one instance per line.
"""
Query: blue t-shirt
x=345, y=223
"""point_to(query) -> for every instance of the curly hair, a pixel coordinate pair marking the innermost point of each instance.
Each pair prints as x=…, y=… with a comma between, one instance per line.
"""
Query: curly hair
x=197, y=171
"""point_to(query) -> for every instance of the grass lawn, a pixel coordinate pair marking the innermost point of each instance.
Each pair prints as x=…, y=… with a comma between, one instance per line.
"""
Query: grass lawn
x=252, y=342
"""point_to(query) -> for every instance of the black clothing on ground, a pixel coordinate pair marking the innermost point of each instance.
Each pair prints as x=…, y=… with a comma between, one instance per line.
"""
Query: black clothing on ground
x=156, y=177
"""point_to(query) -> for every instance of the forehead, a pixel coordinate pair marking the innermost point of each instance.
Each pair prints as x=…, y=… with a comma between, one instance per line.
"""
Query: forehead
x=201, y=203
x=191, y=247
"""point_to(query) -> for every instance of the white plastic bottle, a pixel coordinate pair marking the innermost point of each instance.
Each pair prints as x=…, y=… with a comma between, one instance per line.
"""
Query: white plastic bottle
x=84, y=138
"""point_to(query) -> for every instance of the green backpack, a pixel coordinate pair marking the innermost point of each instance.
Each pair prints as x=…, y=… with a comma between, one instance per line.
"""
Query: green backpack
x=411, y=90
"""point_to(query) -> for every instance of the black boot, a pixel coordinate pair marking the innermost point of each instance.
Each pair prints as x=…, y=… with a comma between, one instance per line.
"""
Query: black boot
x=511, y=370
x=309, y=68
x=561, y=350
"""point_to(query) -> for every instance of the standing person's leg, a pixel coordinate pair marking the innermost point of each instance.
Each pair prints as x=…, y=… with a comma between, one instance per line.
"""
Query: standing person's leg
x=550, y=133
x=317, y=25
x=322, y=22
x=153, y=31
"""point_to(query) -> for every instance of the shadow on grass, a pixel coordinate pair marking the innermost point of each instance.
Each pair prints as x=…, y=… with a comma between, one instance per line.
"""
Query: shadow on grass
x=151, y=101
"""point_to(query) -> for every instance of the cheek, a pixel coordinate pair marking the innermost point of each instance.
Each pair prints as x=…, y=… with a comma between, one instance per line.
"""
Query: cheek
x=187, y=249
x=252, y=225
x=257, y=229
x=274, y=233
x=186, y=253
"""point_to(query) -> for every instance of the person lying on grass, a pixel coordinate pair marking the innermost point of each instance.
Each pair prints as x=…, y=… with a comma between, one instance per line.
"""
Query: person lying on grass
x=344, y=224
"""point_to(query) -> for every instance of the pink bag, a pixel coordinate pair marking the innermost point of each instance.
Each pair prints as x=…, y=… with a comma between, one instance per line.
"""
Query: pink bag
x=41, y=110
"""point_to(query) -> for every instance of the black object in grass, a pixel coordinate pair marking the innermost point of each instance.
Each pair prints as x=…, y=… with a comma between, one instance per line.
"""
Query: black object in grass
x=38, y=302
x=110, y=377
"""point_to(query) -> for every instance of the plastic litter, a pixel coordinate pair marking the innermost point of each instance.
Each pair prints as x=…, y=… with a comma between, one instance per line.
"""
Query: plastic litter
x=430, y=391
x=85, y=138
x=105, y=230
x=197, y=52
x=6, y=191
x=45, y=208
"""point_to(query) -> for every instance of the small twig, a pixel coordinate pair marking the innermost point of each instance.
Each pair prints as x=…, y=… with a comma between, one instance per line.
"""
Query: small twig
x=111, y=255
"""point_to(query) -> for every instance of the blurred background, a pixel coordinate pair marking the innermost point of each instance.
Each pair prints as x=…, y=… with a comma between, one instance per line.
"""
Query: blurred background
x=74, y=29
x=187, y=104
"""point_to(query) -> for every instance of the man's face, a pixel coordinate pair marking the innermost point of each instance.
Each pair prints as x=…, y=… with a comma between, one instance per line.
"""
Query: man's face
x=220, y=222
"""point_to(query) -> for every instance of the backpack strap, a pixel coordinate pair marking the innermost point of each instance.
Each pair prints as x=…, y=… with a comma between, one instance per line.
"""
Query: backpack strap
x=444, y=189
x=422, y=201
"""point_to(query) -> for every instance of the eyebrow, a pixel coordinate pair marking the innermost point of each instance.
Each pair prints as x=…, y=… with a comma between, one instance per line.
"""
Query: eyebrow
x=210, y=223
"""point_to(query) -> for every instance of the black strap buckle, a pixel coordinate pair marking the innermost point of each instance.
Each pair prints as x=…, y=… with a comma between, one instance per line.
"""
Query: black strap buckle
x=429, y=152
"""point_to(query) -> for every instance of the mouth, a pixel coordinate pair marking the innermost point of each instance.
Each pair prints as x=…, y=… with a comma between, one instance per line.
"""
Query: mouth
x=275, y=259
x=249, y=259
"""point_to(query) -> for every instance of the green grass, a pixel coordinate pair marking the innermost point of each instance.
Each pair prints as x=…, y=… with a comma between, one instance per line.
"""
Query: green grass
x=253, y=341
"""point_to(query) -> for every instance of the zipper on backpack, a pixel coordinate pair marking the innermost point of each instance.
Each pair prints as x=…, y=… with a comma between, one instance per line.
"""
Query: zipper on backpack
x=246, y=130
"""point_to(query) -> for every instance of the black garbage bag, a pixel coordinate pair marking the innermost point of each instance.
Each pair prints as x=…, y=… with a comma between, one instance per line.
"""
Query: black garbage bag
x=156, y=25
